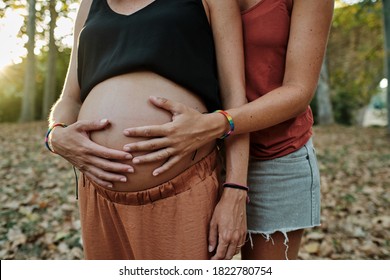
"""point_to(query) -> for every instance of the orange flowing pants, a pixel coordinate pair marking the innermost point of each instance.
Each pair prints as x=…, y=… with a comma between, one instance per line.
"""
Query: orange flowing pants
x=169, y=221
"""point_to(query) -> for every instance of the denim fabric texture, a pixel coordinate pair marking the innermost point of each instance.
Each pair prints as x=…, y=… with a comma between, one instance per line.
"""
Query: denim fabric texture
x=284, y=193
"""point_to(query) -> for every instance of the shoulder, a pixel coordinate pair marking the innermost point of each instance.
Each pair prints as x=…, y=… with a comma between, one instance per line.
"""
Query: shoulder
x=82, y=13
x=220, y=3
x=308, y=7
x=221, y=8
x=84, y=7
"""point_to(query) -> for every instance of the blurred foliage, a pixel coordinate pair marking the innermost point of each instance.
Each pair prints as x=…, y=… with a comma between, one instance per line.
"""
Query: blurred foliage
x=11, y=85
x=12, y=78
x=355, y=57
x=11, y=88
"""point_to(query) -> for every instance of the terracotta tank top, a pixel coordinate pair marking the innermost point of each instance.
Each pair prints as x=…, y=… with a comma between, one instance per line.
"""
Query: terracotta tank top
x=266, y=34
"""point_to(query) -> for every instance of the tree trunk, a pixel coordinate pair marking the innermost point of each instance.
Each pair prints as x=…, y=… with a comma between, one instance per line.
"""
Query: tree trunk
x=49, y=94
x=324, y=106
x=386, y=18
x=28, y=104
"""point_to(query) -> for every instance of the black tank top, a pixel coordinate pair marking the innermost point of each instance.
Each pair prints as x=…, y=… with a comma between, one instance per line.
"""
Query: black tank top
x=172, y=38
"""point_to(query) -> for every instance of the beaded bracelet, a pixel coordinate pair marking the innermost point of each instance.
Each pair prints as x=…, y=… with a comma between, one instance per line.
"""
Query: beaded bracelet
x=236, y=186
x=230, y=121
x=51, y=128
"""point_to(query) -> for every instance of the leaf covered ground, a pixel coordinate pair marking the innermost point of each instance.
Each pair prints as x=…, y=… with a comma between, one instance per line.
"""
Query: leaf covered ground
x=39, y=217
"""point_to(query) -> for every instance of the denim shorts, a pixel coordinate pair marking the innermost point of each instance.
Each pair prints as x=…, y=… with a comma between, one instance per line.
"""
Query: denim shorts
x=284, y=193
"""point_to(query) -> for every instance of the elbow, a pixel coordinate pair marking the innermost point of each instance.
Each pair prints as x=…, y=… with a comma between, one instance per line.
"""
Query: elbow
x=306, y=100
x=303, y=97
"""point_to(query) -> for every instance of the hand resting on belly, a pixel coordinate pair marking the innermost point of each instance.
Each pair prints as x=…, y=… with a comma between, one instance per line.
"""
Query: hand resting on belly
x=124, y=101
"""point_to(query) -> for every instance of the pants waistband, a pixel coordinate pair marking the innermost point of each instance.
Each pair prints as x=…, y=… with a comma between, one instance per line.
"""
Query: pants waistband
x=182, y=182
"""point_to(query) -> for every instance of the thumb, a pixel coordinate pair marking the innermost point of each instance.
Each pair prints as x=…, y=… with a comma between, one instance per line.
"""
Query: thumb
x=87, y=125
x=174, y=107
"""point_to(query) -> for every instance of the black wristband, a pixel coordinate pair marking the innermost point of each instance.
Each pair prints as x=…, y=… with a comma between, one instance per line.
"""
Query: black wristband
x=235, y=186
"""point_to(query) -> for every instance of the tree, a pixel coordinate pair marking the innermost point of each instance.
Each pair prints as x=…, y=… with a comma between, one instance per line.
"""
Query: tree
x=355, y=57
x=49, y=94
x=44, y=71
x=324, y=105
x=29, y=92
x=386, y=19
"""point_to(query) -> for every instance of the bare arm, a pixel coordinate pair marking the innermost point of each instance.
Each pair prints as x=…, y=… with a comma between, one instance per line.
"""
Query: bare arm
x=227, y=29
x=310, y=24
x=73, y=142
x=228, y=224
x=68, y=105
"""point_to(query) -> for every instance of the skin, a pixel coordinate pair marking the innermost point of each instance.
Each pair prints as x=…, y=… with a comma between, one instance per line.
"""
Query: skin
x=310, y=24
x=105, y=166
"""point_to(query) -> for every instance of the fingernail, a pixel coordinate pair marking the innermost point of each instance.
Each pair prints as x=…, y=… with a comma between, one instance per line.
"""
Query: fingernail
x=128, y=156
x=123, y=179
x=109, y=186
x=155, y=173
x=126, y=148
x=210, y=249
x=156, y=98
x=136, y=160
x=103, y=121
x=130, y=170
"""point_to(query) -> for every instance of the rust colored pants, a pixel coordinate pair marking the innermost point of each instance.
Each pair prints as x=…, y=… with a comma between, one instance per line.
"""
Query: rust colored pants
x=169, y=221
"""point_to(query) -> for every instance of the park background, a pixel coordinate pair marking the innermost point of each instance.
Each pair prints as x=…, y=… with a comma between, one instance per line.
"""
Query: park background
x=38, y=208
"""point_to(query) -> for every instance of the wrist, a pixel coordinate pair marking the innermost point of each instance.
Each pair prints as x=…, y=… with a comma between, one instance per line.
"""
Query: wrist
x=234, y=196
x=235, y=186
x=240, y=191
x=52, y=132
x=55, y=135
x=228, y=123
x=214, y=125
x=219, y=124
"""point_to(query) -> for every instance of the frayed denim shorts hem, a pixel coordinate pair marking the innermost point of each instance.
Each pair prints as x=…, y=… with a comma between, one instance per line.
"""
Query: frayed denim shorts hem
x=284, y=193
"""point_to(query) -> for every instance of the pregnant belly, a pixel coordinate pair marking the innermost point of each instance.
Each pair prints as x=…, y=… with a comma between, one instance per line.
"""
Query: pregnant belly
x=123, y=100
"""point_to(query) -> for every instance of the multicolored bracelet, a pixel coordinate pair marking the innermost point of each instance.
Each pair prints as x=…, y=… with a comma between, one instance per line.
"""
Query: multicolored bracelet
x=51, y=128
x=230, y=121
x=236, y=186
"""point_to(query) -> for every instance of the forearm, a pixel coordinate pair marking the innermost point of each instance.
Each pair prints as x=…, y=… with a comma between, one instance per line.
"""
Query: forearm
x=66, y=110
x=277, y=106
x=67, y=107
x=237, y=156
x=309, y=30
x=237, y=145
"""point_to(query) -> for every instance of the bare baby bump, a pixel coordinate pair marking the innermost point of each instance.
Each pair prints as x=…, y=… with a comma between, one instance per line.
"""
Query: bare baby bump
x=124, y=101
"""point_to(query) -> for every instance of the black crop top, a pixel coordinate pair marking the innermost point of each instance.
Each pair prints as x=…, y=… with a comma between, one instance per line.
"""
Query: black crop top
x=172, y=38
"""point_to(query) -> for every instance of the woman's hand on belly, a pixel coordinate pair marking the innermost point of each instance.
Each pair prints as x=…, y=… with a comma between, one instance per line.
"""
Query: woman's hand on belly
x=124, y=100
x=172, y=141
x=95, y=161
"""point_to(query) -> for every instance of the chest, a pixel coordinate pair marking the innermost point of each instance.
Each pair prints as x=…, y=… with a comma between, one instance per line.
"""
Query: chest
x=128, y=8
x=153, y=19
x=247, y=4
x=267, y=23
